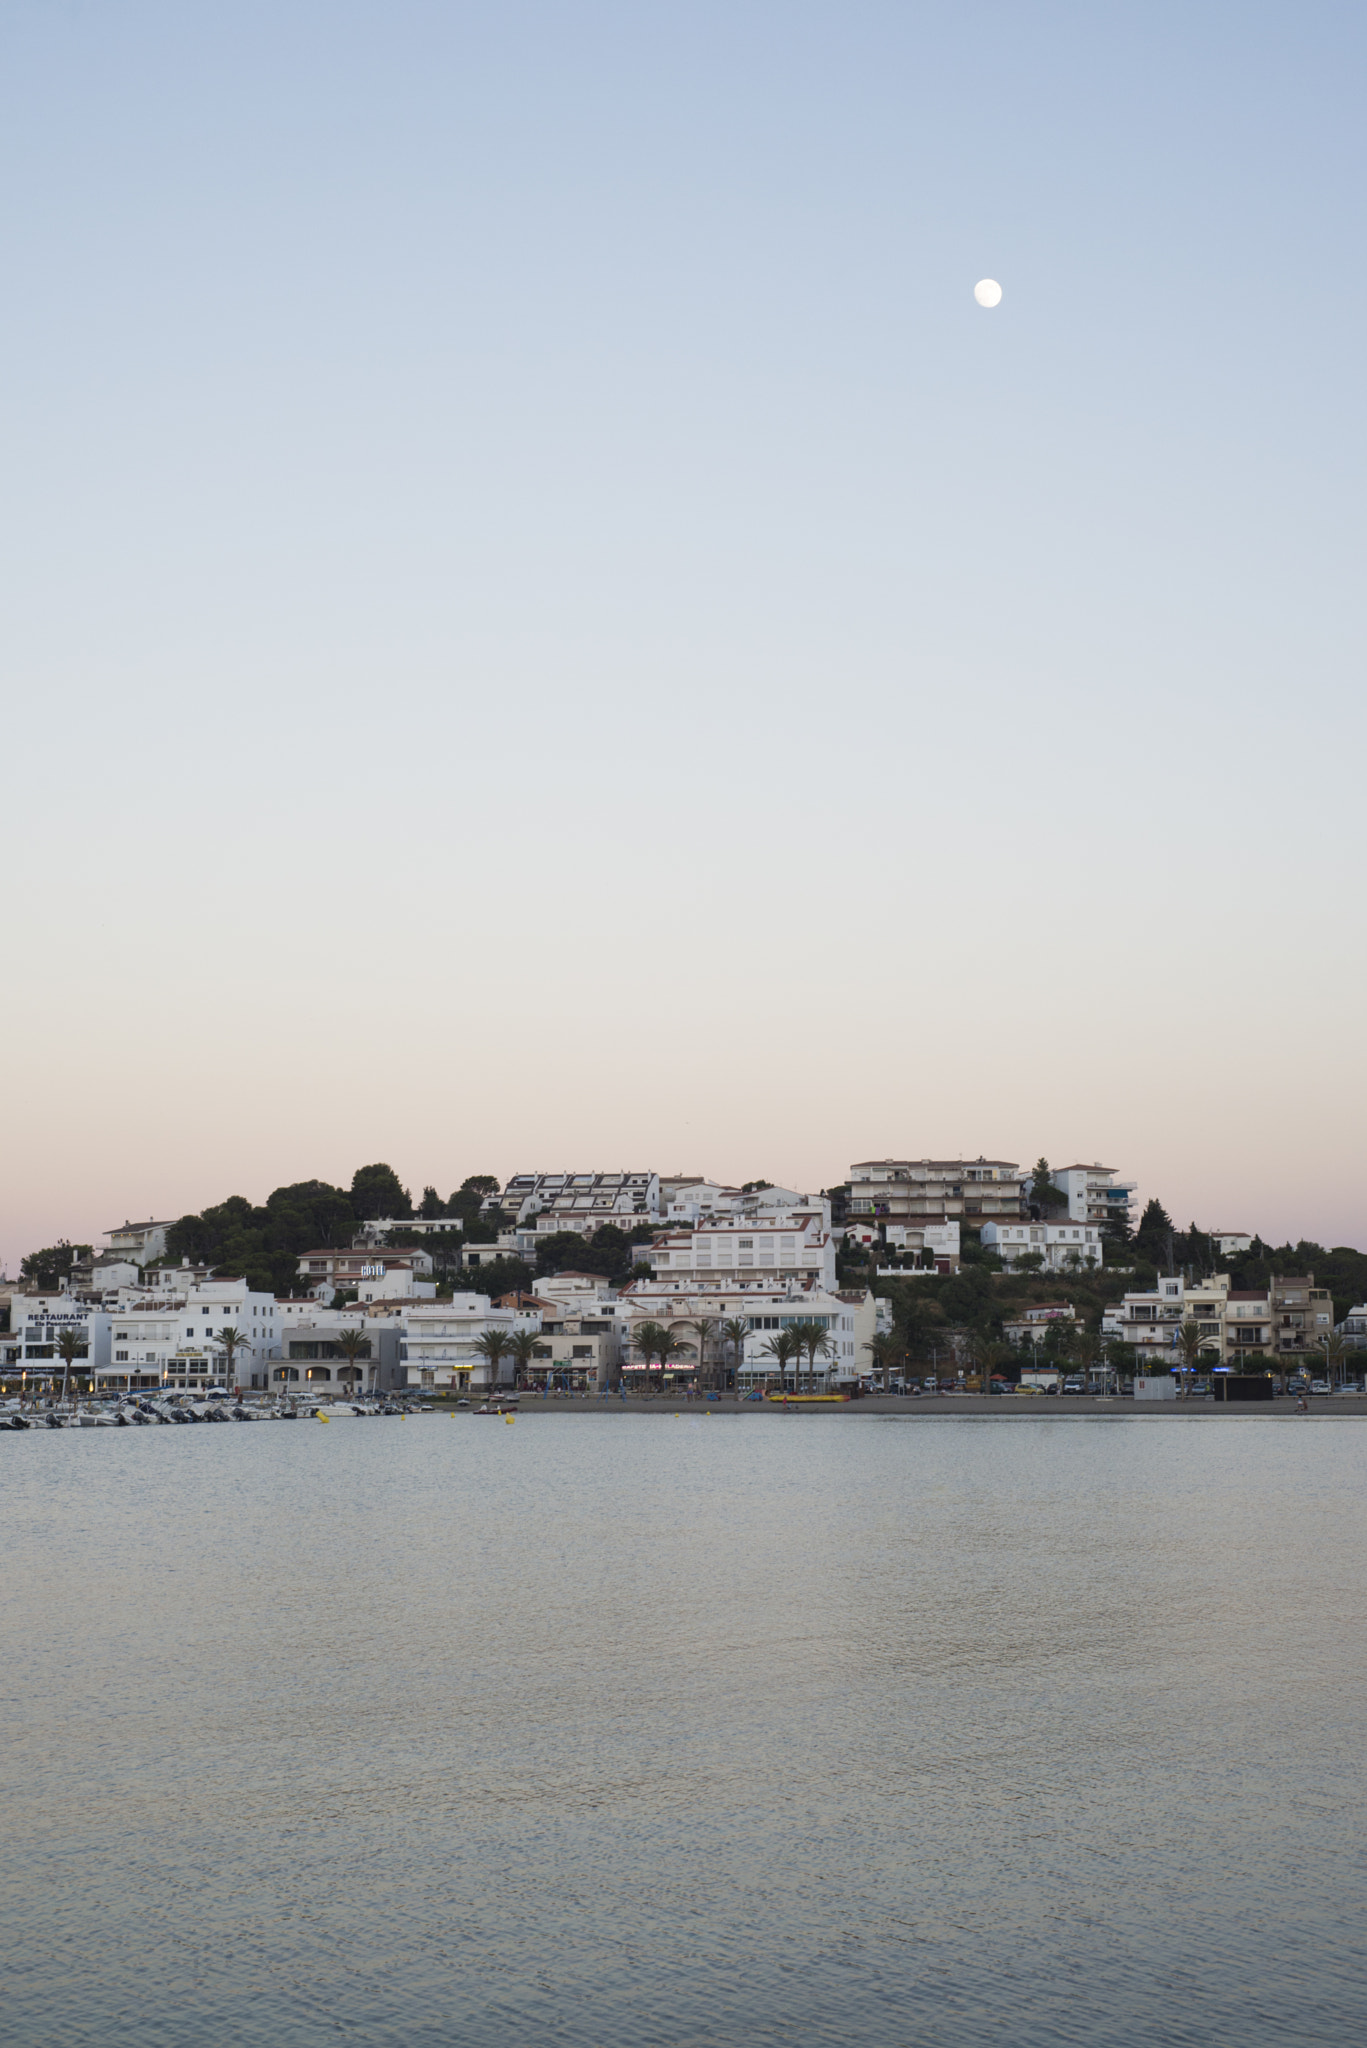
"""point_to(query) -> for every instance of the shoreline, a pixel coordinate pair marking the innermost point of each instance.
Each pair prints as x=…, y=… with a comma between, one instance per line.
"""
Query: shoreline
x=998, y=1407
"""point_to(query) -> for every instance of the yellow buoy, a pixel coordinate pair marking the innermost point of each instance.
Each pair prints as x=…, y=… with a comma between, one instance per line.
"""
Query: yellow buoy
x=510, y=1418
x=322, y=1418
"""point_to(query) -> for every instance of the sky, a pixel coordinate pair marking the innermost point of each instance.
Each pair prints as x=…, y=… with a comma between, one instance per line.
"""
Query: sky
x=542, y=628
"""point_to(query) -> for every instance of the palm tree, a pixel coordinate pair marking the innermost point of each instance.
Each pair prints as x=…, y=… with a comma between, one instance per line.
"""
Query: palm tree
x=734, y=1332
x=812, y=1338
x=522, y=1344
x=781, y=1348
x=493, y=1346
x=885, y=1351
x=354, y=1344
x=70, y=1345
x=1190, y=1338
x=656, y=1340
x=704, y=1325
x=232, y=1341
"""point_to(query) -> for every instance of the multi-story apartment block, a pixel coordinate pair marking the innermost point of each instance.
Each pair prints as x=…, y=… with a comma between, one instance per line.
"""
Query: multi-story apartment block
x=1061, y=1246
x=140, y=1242
x=849, y=1320
x=581, y=1201
x=764, y=1250
x=1291, y=1316
x=1095, y=1195
x=311, y=1355
x=167, y=1339
x=912, y=1190
x=36, y=1324
x=439, y=1340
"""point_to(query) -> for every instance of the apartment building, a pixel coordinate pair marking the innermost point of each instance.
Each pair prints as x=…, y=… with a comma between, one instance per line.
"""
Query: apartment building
x=764, y=1250
x=140, y=1242
x=849, y=1320
x=437, y=1346
x=582, y=1200
x=37, y=1322
x=1095, y=1196
x=935, y=1245
x=1302, y=1315
x=917, y=1190
x=311, y=1355
x=172, y=1340
x=1291, y=1316
x=364, y=1268
x=1033, y=1322
x=1061, y=1246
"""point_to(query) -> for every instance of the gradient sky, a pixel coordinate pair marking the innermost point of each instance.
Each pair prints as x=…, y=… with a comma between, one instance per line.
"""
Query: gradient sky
x=543, y=628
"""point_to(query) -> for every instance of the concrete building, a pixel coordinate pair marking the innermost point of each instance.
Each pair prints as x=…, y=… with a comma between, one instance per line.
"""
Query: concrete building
x=934, y=1190
x=935, y=1246
x=438, y=1346
x=363, y=1268
x=36, y=1324
x=1061, y=1246
x=140, y=1242
x=1095, y=1195
x=312, y=1358
x=581, y=1199
x=849, y=1320
x=171, y=1340
x=1229, y=1243
x=1032, y=1322
x=773, y=1246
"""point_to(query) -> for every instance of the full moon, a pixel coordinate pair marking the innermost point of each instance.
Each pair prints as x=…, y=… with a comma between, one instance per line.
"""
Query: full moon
x=988, y=293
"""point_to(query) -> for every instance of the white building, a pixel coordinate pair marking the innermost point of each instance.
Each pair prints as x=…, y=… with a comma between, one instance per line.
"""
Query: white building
x=172, y=1340
x=1095, y=1195
x=774, y=1246
x=1061, y=1246
x=363, y=1267
x=140, y=1242
x=37, y=1322
x=1229, y=1243
x=440, y=1338
x=581, y=1201
x=849, y=1320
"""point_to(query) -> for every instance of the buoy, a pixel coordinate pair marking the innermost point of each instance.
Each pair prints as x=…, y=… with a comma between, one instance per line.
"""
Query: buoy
x=510, y=1418
x=322, y=1418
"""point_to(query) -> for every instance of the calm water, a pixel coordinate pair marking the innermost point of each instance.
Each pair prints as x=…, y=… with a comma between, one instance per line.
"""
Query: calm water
x=637, y=1730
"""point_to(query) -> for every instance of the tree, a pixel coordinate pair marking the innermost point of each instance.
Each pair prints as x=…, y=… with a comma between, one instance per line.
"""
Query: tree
x=1190, y=1338
x=522, y=1347
x=734, y=1333
x=493, y=1347
x=704, y=1327
x=232, y=1341
x=781, y=1347
x=377, y=1191
x=656, y=1340
x=71, y=1344
x=885, y=1351
x=431, y=1208
x=1044, y=1193
x=47, y=1269
x=354, y=1344
x=811, y=1337
x=500, y=1276
x=1153, y=1239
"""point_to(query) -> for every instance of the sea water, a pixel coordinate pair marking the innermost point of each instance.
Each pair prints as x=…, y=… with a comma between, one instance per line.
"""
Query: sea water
x=636, y=1729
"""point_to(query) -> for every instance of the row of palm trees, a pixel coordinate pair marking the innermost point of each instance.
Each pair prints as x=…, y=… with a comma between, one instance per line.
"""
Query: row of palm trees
x=660, y=1343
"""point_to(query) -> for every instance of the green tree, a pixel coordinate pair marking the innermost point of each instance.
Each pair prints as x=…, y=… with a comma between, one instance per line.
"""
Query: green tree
x=656, y=1340
x=704, y=1328
x=812, y=1339
x=377, y=1191
x=1190, y=1340
x=232, y=1341
x=354, y=1345
x=500, y=1277
x=522, y=1348
x=734, y=1332
x=48, y=1268
x=1153, y=1239
x=1044, y=1193
x=431, y=1208
x=782, y=1346
x=71, y=1345
x=493, y=1347
x=885, y=1350
x=1334, y=1348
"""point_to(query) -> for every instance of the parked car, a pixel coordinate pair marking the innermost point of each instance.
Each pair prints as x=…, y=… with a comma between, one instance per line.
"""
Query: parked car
x=1075, y=1384
x=1319, y=1386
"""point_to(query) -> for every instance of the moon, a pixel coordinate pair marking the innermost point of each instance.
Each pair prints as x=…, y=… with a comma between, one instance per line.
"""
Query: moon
x=988, y=292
